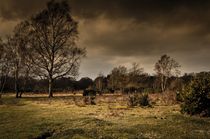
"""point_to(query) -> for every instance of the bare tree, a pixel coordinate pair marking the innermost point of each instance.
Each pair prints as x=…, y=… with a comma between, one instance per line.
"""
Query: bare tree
x=134, y=74
x=165, y=68
x=52, y=50
x=99, y=82
x=118, y=78
x=16, y=46
x=4, y=66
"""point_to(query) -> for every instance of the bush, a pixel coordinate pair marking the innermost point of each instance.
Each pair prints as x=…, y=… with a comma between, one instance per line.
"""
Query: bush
x=196, y=96
x=89, y=100
x=138, y=100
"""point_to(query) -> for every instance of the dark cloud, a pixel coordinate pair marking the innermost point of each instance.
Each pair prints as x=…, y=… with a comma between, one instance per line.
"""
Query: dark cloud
x=178, y=11
x=124, y=31
x=20, y=9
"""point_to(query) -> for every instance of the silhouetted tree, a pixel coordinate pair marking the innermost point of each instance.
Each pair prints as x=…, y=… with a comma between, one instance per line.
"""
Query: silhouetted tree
x=165, y=68
x=118, y=78
x=4, y=65
x=100, y=82
x=134, y=75
x=53, y=51
x=65, y=84
x=16, y=46
x=84, y=83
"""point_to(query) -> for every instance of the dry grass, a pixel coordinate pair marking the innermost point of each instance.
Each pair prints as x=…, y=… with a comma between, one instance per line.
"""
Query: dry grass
x=166, y=98
x=61, y=117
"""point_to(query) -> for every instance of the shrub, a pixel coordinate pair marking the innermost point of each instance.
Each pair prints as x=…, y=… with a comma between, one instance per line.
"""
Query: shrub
x=132, y=100
x=138, y=100
x=89, y=100
x=196, y=96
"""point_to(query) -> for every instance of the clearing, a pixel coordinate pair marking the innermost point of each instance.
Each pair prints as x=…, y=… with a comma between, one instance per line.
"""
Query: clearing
x=37, y=117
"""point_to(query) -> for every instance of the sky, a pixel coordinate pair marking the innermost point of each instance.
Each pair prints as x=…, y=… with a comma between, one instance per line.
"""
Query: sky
x=121, y=32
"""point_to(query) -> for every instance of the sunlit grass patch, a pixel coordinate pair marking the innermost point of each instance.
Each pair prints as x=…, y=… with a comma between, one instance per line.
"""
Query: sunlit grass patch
x=62, y=118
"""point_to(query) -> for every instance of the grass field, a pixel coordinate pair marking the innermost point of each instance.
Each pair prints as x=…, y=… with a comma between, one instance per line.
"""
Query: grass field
x=67, y=117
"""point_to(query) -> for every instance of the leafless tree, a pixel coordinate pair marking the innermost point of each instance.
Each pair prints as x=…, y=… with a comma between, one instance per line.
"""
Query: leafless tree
x=118, y=78
x=4, y=66
x=134, y=75
x=15, y=48
x=99, y=82
x=52, y=50
x=165, y=68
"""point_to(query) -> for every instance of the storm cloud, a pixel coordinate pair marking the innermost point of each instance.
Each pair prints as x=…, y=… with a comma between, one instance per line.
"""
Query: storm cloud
x=119, y=32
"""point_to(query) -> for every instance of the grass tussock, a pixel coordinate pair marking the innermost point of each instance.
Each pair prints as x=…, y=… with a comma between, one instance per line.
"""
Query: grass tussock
x=165, y=98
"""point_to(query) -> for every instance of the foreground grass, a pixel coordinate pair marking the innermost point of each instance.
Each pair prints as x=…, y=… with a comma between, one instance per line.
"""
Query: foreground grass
x=60, y=118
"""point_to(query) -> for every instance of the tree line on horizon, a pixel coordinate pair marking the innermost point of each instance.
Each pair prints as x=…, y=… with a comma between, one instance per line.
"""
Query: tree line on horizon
x=120, y=79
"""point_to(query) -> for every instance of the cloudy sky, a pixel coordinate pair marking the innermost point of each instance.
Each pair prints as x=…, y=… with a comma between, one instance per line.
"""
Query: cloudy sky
x=120, y=32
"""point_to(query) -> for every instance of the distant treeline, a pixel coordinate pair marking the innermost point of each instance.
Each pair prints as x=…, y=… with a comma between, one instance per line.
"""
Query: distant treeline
x=145, y=83
x=41, y=85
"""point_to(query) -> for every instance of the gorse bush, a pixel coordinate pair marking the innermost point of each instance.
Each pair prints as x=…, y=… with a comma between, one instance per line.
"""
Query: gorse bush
x=138, y=100
x=196, y=96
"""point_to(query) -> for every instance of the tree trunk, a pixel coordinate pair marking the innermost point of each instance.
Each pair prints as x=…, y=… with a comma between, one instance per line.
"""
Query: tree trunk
x=162, y=83
x=50, y=87
x=165, y=83
x=16, y=84
x=3, y=84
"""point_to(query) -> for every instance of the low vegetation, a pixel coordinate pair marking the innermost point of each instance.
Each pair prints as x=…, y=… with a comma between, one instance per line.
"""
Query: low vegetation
x=138, y=100
x=196, y=96
x=89, y=100
x=39, y=117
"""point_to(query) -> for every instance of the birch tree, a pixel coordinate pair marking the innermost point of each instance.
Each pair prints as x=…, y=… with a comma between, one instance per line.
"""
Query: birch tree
x=165, y=68
x=134, y=74
x=53, y=51
x=4, y=66
x=118, y=78
x=16, y=50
